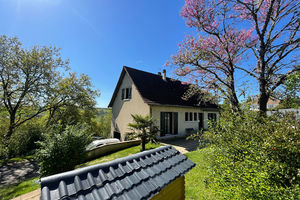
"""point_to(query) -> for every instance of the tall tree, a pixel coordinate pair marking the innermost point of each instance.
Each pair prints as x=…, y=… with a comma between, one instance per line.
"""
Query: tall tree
x=215, y=53
x=72, y=95
x=222, y=46
x=276, y=24
x=32, y=82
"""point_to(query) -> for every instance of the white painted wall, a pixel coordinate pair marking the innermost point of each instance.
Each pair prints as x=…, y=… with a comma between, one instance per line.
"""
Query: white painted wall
x=122, y=109
x=182, y=124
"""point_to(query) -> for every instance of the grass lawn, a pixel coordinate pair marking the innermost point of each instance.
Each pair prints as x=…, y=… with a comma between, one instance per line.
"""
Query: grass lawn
x=195, y=187
x=11, y=191
x=119, y=154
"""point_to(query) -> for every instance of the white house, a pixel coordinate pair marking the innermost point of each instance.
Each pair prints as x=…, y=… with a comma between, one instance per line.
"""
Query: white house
x=140, y=92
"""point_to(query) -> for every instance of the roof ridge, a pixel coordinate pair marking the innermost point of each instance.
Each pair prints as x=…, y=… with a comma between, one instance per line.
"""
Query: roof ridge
x=172, y=79
x=126, y=67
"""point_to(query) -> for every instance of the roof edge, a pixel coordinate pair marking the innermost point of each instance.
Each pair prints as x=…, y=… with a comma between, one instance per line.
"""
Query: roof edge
x=175, y=105
x=117, y=87
x=76, y=172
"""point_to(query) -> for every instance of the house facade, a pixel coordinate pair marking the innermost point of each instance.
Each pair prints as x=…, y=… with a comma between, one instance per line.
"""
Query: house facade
x=143, y=93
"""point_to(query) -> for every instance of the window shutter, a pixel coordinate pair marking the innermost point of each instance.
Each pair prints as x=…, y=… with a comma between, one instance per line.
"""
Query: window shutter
x=123, y=93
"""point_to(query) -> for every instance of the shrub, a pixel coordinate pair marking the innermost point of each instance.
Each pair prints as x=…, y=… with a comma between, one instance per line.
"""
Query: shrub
x=63, y=149
x=255, y=157
x=143, y=128
x=3, y=131
x=24, y=140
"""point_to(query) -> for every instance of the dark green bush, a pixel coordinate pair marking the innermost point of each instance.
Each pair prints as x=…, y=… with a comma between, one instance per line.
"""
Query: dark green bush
x=3, y=130
x=255, y=157
x=24, y=141
x=63, y=149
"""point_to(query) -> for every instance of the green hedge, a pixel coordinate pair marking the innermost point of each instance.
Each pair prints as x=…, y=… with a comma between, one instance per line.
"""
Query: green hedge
x=255, y=157
x=63, y=149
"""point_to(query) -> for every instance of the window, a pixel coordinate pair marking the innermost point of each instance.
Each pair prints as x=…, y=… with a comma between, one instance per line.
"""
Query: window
x=126, y=93
x=201, y=121
x=212, y=116
x=189, y=116
x=168, y=123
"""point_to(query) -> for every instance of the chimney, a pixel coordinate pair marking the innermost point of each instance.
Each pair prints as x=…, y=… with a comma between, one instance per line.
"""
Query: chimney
x=159, y=73
x=164, y=75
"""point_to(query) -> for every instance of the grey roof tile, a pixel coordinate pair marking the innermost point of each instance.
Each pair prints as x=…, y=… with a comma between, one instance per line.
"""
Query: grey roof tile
x=139, y=176
x=156, y=91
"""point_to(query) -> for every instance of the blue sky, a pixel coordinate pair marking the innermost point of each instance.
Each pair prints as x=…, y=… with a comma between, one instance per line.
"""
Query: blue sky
x=99, y=36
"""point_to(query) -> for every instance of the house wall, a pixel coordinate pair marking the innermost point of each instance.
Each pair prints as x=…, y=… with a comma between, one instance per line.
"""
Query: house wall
x=175, y=191
x=182, y=124
x=122, y=109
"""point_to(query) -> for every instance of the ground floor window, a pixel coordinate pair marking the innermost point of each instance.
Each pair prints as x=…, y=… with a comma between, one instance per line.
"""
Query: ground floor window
x=117, y=135
x=201, y=121
x=212, y=116
x=168, y=123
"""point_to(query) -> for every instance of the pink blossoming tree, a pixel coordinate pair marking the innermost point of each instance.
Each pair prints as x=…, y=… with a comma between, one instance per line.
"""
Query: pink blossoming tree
x=232, y=31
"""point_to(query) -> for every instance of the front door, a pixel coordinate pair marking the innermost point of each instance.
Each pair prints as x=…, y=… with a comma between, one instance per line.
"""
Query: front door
x=168, y=123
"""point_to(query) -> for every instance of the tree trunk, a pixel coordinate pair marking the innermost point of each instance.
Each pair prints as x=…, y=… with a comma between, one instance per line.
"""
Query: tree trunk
x=263, y=97
x=10, y=128
x=261, y=65
x=143, y=140
x=234, y=102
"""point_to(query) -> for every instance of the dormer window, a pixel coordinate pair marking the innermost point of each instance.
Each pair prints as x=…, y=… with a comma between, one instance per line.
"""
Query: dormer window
x=126, y=93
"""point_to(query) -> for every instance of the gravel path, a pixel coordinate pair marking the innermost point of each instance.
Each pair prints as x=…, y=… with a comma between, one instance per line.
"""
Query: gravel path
x=15, y=172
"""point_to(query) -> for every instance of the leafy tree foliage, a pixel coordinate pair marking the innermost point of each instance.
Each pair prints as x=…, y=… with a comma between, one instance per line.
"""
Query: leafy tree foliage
x=104, y=124
x=221, y=48
x=289, y=92
x=143, y=128
x=255, y=157
x=32, y=81
x=63, y=149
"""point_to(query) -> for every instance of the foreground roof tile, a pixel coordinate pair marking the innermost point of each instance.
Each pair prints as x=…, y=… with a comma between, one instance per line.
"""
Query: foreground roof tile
x=139, y=176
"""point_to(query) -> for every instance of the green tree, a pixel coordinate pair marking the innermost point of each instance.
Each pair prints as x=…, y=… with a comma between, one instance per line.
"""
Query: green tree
x=32, y=81
x=105, y=124
x=289, y=92
x=143, y=128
